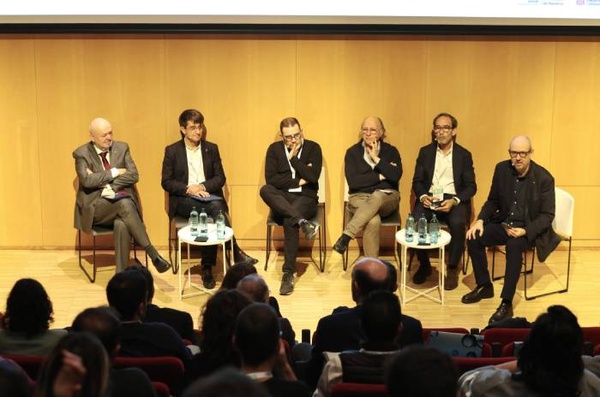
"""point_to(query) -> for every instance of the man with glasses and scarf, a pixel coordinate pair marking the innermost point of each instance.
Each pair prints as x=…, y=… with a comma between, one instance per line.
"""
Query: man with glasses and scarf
x=373, y=169
x=518, y=214
x=292, y=171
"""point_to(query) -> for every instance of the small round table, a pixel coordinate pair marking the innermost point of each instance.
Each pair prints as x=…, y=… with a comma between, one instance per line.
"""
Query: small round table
x=443, y=240
x=184, y=237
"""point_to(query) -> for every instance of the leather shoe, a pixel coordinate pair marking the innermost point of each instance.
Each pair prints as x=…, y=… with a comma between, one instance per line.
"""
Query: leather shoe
x=309, y=229
x=241, y=256
x=207, y=278
x=480, y=292
x=421, y=274
x=451, y=280
x=161, y=264
x=503, y=312
x=341, y=245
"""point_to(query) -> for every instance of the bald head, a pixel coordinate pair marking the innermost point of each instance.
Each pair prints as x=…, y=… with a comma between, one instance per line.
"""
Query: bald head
x=255, y=287
x=101, y=133
x=368, y=274
x=521, y=141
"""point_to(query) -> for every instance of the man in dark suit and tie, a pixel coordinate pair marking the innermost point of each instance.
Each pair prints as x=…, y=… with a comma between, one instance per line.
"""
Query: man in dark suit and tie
x=192, y=168
x=292, y=171
x=106, y=196
x=444, y=182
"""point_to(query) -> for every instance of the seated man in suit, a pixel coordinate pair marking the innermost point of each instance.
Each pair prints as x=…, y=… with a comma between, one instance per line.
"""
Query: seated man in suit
x=192, y=170
x=444, y=168
x=373, y=169
x=105, y=195
x=292, y=171
x=341, y=330
x=381, y=323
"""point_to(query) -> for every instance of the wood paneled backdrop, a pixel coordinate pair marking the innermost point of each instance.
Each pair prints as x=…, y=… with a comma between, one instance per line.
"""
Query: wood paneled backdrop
x=497, y=87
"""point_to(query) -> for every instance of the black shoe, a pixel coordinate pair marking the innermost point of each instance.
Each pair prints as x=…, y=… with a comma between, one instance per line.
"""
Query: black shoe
x=503, y=312
x=421, y=274
x=309, y=229
x=241, y=257
x=161, y=264
x=287, y=284
x=479, y=293
x=451, y=280
x=207, y=278
x=341, y=245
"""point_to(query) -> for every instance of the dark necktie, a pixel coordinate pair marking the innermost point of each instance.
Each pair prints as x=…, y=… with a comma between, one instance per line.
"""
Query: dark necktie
x=121, y=193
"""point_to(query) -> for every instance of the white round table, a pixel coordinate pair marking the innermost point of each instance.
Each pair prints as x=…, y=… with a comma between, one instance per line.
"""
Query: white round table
x=443, y=240
x=185, y=237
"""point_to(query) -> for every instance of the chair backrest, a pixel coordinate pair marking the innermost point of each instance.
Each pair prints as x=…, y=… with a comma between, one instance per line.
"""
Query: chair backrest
x=168, y=370
x=500, y=337
x=30, y=364
x=565, y=208
x=322, y=194
x=358, y=390
x=465, y=364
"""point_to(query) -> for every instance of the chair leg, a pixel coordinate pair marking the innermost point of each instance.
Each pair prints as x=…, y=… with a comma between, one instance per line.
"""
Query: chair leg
x=558, y=291
x=268, y=247
x=322, y=244
x=92, y=278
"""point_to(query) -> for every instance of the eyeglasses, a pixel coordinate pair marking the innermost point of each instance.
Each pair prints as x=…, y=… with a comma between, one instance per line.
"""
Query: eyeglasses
x=444, y=128
x=522, y=155
x=369, y=131
x=290, y=137
x=196, y=127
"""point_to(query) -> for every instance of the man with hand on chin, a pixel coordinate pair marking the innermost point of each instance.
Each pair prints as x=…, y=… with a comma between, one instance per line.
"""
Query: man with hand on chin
x=192, y=168
x=444, y=176
x=292, y=171
x=518, y=214
x=373, y=169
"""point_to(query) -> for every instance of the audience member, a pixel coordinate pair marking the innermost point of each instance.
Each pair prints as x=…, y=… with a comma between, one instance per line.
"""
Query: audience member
x=421, y=371
x=26, y=322
x=106, y=326
x=262, y=353
x=549, y=363
x=78, y=366
x=226, y=382
x=218, y=322
x=14, y=382
x=257, y=289
x=373, y=169
x=180, y=321
x=381, y=323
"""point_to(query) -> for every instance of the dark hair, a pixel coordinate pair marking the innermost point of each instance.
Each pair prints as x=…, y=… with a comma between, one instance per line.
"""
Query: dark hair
x=125, y=292
x=550, y=360
x=366, y=284
x=93, y=357
x=103, y=322
x=288, y=122
x=392, y=277
x=14, y=382
x=257, y=333
x=227, y=382
x=381, y=317
x=192, y=115
x=28, y=308
x=138, y=267
x=255, y=287
x=421, y=371
x=235, y=273
x=218, y=322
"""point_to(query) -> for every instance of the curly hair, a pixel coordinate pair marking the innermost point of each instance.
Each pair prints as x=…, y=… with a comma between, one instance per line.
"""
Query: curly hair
x=28, y=308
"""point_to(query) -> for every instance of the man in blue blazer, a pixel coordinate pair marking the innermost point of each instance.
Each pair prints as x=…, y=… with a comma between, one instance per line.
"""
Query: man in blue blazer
x=192, y=168
x=446, y=169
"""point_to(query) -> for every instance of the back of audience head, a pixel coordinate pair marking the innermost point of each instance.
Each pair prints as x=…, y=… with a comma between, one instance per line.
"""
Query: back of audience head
x=422, y=371
x=60, y=371
x=226, y=382
x=104, y=323
x=256, y=336
x=126, y=292
x=368, y=275
x=381, y=317
x=143, y=270
x=550, y=360
x=392, y=277
x=235, y=273
x=13, y=380
x=255, y=287
x=28, y=308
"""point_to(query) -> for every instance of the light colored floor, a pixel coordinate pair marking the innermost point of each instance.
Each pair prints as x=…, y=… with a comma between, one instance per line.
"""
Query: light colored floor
x=316, y=293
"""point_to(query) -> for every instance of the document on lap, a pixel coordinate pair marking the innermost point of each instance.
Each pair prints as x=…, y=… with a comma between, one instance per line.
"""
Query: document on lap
x=211, y=197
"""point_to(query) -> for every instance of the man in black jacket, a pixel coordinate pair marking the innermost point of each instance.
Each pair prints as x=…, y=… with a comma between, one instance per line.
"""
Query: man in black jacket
x=518, y=213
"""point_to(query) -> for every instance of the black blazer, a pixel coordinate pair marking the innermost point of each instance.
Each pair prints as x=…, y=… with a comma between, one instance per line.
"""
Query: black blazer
x=175, y=171
x=462, y=167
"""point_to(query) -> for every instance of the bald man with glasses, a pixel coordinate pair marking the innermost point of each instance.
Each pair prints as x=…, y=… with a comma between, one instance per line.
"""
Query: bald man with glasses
x=518, y=214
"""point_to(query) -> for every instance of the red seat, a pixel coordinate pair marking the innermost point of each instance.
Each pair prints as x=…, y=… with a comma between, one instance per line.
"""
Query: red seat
x=30, y=364
x=161, y=389
x=358, y=390
x=499, y=337
x=457, y=330
x=168, y=370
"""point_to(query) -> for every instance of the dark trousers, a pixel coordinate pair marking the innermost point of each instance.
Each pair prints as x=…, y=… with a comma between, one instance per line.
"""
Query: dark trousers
x=494, y=234
x=288, y=209
x=212, y=208
x=456, y=220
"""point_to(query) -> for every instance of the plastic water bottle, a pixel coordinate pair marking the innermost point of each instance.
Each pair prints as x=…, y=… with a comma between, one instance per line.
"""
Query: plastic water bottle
x=434, y=230
x=409, y=231
x=220, y=226
x=203, y=225
x=422, y=229
x=193, y=222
